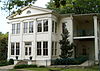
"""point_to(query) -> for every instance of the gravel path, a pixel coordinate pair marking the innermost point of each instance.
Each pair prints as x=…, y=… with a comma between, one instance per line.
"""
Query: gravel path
x=6, y=67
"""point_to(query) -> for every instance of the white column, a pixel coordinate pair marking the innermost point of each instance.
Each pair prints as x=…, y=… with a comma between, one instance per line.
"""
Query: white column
x=9, y=44
x=96, y=38
x=21, y=41
x=50, y=38
x=34, y=41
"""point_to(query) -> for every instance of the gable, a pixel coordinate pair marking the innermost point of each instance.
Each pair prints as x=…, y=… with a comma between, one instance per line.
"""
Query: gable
x=30, y=10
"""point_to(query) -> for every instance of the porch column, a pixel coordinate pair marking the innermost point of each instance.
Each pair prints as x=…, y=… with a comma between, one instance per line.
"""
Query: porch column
x=96, y=38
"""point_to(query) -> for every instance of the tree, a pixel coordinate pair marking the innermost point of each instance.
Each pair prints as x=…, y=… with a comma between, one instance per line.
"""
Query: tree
x=75, y=6
x=3, y=46
x=12, y=5
x=66, y=46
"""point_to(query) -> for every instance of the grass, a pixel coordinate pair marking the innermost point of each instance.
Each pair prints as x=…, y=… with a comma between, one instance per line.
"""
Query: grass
x=94, y=68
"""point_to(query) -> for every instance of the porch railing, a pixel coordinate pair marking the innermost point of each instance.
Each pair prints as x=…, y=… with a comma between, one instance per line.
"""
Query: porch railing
x=83, y=33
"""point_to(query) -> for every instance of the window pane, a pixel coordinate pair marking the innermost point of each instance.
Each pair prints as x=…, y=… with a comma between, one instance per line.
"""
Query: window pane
x=52, y=26
x=55, y=27
x=17, y=48
x=45, y=48
x=38, y=48
x=13, y=28
x=18, y=28
x=12, y=48
x=31, y=27
x=52, y=48
x=39, y=26
x=25, y=27
x=29, y=50
x=55, y=48
x=28, y=43
x=26, y=51
x=45, y=25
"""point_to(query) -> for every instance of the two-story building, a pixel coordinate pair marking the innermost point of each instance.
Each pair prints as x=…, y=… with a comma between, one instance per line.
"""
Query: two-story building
x=35, y=33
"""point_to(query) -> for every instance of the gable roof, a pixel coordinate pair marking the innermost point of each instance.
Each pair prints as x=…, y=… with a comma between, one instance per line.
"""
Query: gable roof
x=32, y=7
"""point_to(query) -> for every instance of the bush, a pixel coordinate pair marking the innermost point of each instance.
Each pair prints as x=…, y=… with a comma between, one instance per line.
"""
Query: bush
x=11, y=61
x=41, y=66
x=69, y=61
x=25, y=66
x=4, y=63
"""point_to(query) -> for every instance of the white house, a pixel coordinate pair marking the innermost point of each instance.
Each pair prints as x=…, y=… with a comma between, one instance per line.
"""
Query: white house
x=35, y=33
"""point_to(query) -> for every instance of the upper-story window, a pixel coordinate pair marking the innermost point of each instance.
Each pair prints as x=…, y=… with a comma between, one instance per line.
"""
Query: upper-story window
x=13, y=28
x=18, y=28
x=54, y=26
x=39, y=26
x=28, y=12
x=28, y=27
x=31, y=27
x=25, y=27
x=45, y=25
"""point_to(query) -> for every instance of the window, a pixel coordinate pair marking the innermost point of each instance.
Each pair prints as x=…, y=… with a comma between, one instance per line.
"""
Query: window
x=28, y=46
x=39, y=26
x=29, y=50
x=18, y=28
x=28, y=12
x=52, y=26
x=55, y=27
x=13, y=28
x=45, y=25
x=26, y=51
x=17, y=48
x=12, y=48
x=38, y=48
x=25, y=27
x=63, y=27
x=52, y=48
x=45, y=48
x=31, y=27
x=28, y=43
x=55, y=48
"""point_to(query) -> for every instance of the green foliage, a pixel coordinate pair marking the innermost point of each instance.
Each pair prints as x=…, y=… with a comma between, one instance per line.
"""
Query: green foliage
x=69, y=61
x=12, y=5
x=25, y=66
x=75, y=6
x=5, y=62
x=66, y=46
x=3, y=46
x=11, y=61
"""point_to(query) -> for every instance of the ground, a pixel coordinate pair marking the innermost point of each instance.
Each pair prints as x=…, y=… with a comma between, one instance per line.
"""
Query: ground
x=94, y=68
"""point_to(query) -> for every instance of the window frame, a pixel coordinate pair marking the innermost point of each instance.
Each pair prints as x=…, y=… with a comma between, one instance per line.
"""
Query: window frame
x=39, y=48
x=13, y=28
x=45, y=25
x=18, y=28
x=45, y=48
x=12, y=48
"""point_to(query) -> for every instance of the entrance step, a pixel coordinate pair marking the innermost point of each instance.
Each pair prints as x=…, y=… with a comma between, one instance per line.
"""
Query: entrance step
x=22, y=62
x=88, y=63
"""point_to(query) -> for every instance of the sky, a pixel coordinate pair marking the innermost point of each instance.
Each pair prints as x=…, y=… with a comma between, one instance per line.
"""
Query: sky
x=4, y=27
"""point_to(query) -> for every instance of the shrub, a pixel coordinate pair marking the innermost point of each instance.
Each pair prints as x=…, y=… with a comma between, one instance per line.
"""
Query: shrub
x=4, y=63
x=42, y=66
x=11, y=61
x=69, y=61
x=25, y=66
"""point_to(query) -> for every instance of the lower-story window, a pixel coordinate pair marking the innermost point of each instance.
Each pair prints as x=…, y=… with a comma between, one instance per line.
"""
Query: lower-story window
x=42, y=48
x=45, y=48
x=15, y=48
x=12, y=48
x=28, y=48
x=38, y=48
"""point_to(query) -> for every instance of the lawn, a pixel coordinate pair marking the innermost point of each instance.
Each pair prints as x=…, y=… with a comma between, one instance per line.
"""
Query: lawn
x=95, y=68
